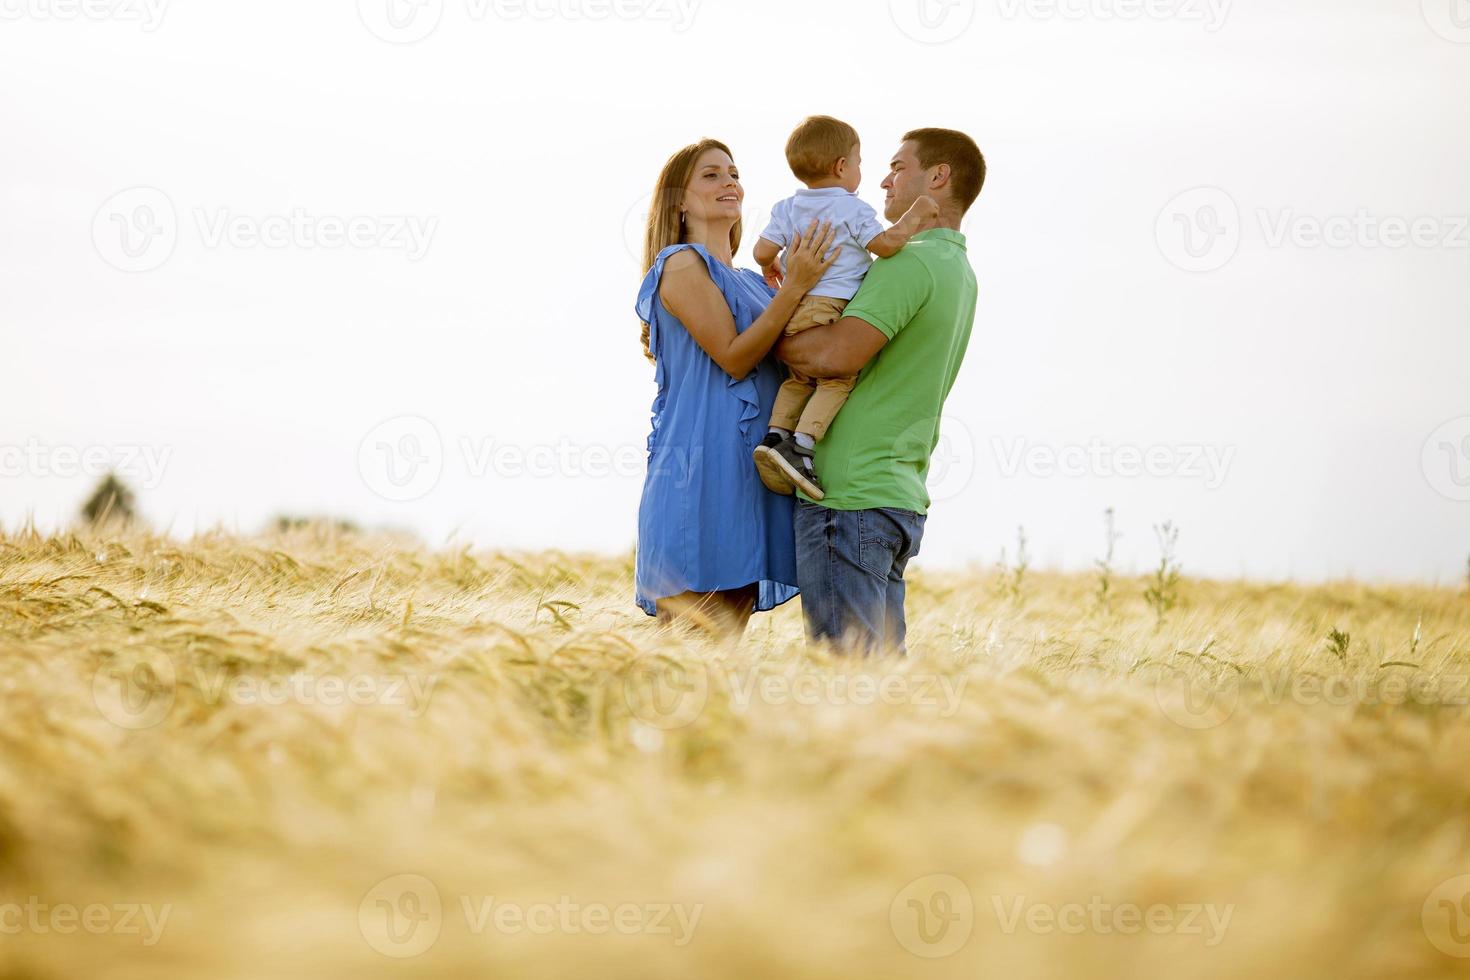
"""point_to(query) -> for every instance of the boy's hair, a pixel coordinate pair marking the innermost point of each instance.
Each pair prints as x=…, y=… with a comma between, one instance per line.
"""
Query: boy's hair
x=966, y=162
x=816, y=145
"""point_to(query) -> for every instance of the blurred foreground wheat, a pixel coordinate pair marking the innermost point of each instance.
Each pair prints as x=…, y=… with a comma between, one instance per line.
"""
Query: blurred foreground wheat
x=318, y=754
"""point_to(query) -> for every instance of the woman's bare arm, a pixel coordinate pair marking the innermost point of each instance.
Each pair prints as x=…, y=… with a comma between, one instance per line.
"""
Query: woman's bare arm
x=690, y=294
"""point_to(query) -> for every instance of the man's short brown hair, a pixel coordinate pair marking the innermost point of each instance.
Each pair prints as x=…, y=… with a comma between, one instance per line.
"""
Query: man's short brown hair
x=816, y=145
x=966, y=162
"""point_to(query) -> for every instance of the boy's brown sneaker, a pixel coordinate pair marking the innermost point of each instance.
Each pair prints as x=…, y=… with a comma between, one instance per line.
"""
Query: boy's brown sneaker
x=771, y=473
x=786, y=466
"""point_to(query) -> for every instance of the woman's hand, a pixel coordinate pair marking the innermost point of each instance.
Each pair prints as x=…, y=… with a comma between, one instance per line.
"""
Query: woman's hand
x=807, y=259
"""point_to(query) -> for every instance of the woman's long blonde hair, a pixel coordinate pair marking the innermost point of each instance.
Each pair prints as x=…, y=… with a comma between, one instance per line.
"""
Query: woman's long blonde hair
x=664, y=226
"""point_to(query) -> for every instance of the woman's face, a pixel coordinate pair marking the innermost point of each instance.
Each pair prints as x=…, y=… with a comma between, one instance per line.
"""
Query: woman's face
x=714, y=192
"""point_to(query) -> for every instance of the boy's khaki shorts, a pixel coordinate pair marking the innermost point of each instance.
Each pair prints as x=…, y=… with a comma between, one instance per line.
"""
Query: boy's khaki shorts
x=815, y=311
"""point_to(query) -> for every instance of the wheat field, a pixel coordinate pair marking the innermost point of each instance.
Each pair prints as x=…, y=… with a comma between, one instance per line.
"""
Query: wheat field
x=323, y=754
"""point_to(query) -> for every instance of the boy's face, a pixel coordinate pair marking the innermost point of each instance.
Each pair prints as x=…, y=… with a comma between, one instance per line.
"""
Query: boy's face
x=852, y=171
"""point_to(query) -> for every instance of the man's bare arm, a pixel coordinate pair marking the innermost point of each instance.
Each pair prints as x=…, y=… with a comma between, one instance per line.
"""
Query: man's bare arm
x=837, y=350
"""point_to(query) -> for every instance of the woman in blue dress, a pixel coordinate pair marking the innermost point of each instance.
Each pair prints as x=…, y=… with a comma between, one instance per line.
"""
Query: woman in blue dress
x=713, y=544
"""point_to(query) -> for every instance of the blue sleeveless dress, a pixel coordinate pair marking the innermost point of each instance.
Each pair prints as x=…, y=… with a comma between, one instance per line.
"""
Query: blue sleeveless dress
x=706, y=523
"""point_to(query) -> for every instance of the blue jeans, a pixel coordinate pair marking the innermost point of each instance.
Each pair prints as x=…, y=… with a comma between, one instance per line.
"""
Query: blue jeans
x=849, y=564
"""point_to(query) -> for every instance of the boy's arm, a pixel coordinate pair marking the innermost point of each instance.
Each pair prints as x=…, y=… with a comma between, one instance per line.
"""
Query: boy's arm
x=776, y=235
x=766, y=252
x=917, y=218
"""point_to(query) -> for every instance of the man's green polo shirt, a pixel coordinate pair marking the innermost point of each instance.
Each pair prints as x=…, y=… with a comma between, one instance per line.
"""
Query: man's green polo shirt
x=876, y=454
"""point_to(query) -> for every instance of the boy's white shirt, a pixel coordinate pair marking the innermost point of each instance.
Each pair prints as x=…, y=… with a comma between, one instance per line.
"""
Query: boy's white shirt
x=854, y=225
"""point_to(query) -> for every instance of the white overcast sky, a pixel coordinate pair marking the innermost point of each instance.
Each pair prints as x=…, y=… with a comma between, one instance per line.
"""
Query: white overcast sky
x=1305, y=407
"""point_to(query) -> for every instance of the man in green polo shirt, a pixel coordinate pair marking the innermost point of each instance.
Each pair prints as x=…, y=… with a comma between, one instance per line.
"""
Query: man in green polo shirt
x=906, y=332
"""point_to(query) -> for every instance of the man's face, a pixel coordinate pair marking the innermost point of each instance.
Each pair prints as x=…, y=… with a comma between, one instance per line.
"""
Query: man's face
x=906, y=180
